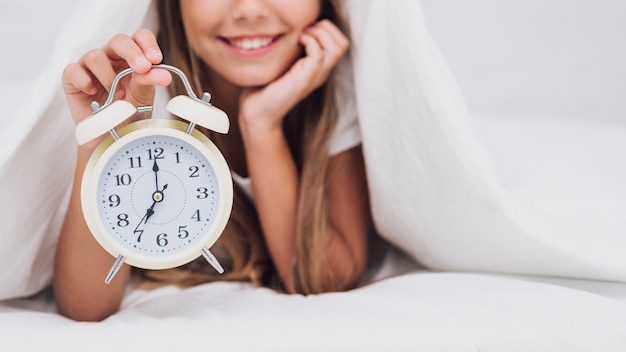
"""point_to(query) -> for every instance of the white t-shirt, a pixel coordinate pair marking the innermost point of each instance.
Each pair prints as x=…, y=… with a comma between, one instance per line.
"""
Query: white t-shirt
x=345, y=136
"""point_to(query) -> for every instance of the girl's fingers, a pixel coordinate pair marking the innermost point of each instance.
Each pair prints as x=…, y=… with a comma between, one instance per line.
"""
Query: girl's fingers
x=331, y=40
x=309, y=69
x=76, y=79
x=124, y=48
x=335, y=33
x=146, y=40
x=98, y=64
x=139, y=53
x=323, y=52
x=312, y=48
x=92, y=76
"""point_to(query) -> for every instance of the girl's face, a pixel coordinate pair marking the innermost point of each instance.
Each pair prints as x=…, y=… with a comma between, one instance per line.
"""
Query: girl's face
x=248, y=42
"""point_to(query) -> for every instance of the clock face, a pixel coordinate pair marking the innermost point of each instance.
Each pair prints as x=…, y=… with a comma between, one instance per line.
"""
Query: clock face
x=157, y=196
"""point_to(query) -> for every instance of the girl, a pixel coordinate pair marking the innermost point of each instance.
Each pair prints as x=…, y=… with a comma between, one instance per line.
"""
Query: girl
x=300, y=216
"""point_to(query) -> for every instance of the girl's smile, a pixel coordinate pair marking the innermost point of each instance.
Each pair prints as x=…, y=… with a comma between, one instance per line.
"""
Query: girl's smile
x=247, y=43
x=252, y=45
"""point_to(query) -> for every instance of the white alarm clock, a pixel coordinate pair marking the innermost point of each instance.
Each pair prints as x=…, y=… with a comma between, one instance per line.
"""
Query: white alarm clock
x=156, y=193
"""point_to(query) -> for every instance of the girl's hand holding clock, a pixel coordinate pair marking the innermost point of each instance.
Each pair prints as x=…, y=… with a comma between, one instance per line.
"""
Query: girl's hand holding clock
x=91, y=77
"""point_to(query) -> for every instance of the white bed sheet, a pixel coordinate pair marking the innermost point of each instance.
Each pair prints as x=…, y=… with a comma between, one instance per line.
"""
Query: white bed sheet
x=416, y=310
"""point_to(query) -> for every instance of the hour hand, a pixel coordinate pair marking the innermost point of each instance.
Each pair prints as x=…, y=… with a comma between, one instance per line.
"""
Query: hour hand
x=149, y=213
x=157, y=197
x=144, y=219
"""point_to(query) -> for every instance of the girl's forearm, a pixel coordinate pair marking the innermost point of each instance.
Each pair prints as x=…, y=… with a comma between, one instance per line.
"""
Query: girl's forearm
x=81, y=264
x=275, y=185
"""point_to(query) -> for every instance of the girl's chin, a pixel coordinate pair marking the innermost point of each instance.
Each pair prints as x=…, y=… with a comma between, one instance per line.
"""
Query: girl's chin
x=252, y=82
x=255, y=76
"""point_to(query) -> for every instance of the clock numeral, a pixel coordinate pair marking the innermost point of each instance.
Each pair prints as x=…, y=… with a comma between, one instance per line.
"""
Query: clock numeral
x=203, y=193
x=123, y=180
x=114, y=200
x=182, y=233
x=140, y=232
x=135, y=162
x=194, y=171
x=161, y=240
x=122, y=220
x=177, y=158
x=156, y=153
x=196, y=215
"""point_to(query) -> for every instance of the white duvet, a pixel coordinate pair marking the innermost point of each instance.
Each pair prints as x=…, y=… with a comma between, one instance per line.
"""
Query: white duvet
x=524, y=241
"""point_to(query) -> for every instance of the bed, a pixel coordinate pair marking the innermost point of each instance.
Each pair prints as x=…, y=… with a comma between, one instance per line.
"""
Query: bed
x=507, y=236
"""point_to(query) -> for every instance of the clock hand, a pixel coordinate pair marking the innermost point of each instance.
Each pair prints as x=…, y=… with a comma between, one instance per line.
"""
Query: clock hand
x=143, y=220
x=149, y=213
x=157, y=197
x=155, y=168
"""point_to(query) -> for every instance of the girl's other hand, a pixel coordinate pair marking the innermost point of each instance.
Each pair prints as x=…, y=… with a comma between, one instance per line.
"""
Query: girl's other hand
x=91, y=77
x=264, y=108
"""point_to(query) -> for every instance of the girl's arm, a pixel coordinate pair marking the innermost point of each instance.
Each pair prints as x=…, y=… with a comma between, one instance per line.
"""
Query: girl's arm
x=80, y=263
x=275, y=186
x=349, y=212
x=273, y=172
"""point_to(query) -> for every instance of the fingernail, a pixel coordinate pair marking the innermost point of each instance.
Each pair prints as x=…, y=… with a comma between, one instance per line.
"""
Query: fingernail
x=142, y=62
x=155, y=53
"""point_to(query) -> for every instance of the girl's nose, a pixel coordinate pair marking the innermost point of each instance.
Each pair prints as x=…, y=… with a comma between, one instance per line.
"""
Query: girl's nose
x=250, y=10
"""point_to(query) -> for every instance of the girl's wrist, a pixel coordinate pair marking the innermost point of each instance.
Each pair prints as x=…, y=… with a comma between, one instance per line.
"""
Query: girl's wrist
x=259, y=129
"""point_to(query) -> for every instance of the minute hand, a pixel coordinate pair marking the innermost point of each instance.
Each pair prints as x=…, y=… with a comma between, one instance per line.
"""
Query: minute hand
x=155, y=168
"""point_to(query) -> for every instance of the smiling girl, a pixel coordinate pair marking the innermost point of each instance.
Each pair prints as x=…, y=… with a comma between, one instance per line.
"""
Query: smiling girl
x=301, y=216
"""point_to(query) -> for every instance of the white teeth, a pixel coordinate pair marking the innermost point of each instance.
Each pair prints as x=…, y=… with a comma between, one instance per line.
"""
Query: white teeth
x=251, y=44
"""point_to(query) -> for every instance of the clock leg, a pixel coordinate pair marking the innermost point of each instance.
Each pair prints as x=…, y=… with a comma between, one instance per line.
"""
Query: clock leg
x=114, y=268
x=212, y=260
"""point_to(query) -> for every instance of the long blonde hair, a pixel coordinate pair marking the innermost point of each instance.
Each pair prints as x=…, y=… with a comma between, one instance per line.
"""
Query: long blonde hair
x=308, y=128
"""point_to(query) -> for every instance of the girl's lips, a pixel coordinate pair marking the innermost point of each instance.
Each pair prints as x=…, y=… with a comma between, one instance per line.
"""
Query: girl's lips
x=251, y=45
